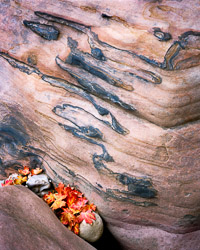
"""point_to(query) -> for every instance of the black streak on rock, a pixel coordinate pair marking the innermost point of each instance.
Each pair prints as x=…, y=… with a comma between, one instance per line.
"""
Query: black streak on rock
x=162, y=36
x=58, y=110
x=117, y=194
x=170, y=55
x=106, y=195
x=13, y=138
x=73, y=89
x=47, y=32
x=75, y=25
x=103, y=15
x=60, y=83
x=98, y=54
x=78, y=58
x=54, y=81
x=115, y=125
x=137, y=186
x=97, y=159
x=94, y=88
x=189, y=33
x=175, y=48
x=89, y=131
x=73, y=44
x=167, y=64
x=155, y=79
x=25, y=68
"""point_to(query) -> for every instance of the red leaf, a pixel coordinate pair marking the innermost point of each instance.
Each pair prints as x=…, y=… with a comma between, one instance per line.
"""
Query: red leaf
x=49, y=198
x=88, y=216
x=36, y=171
x=25, y=171
x=79, y=204
x=7, y=183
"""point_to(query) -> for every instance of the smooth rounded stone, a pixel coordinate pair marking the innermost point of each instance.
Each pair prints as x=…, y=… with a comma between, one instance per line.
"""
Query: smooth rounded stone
x=38, y=183
x=93, y=232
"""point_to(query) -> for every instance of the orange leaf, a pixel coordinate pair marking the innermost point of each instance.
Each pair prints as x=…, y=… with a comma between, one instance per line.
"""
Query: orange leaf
x=89, y=206
x=19, y=180
x=60, y=188
x=58, y=204
x=49, y=198
x=71, y=199
x=88, y=216
x=25, y=171
x=67, y=218
x=59, y=197
x=76, y=228
x=36, y=171
x=7, y=183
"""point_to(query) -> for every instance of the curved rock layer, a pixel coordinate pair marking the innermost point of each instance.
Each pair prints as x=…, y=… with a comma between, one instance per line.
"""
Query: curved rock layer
x=105, y=96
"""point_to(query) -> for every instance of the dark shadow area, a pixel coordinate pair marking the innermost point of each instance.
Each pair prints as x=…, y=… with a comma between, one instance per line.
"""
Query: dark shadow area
x=107, y=241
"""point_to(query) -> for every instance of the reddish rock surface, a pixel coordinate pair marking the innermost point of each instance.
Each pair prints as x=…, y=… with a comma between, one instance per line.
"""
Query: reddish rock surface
x=111, y=107
x=28, y=223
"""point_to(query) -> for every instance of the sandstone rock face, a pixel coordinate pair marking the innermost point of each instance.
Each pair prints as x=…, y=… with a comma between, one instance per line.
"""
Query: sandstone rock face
x=105, y=96
x=28, y=223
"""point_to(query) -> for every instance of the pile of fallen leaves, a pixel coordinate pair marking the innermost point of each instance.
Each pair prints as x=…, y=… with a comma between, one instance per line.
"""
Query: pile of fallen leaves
x=22, y=177
x=69, y=205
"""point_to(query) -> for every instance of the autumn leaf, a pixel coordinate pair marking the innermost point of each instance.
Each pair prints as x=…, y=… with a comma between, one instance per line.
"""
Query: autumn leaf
x=70, y=190
x=89, y=206
x=76, y=228
x=71, y=199
x=36, y=171
x=59, y=197
x=60, y=188
x=7, y=183
x=88, y=216
x=49, y=198
x=79, y=204
x=19, y=180
x=25, y=171
x=68, y=218
x=77, y=193
x=58, y=204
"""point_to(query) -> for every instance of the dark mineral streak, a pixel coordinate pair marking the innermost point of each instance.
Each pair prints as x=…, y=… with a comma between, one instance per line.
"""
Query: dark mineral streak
x=47, y=32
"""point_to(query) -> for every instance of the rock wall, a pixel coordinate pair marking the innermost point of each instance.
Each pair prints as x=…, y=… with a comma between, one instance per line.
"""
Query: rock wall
x=105, y=96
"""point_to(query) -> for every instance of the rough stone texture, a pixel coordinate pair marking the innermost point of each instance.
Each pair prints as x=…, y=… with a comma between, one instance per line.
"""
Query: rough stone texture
x=112, y=109
x=28, y=223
